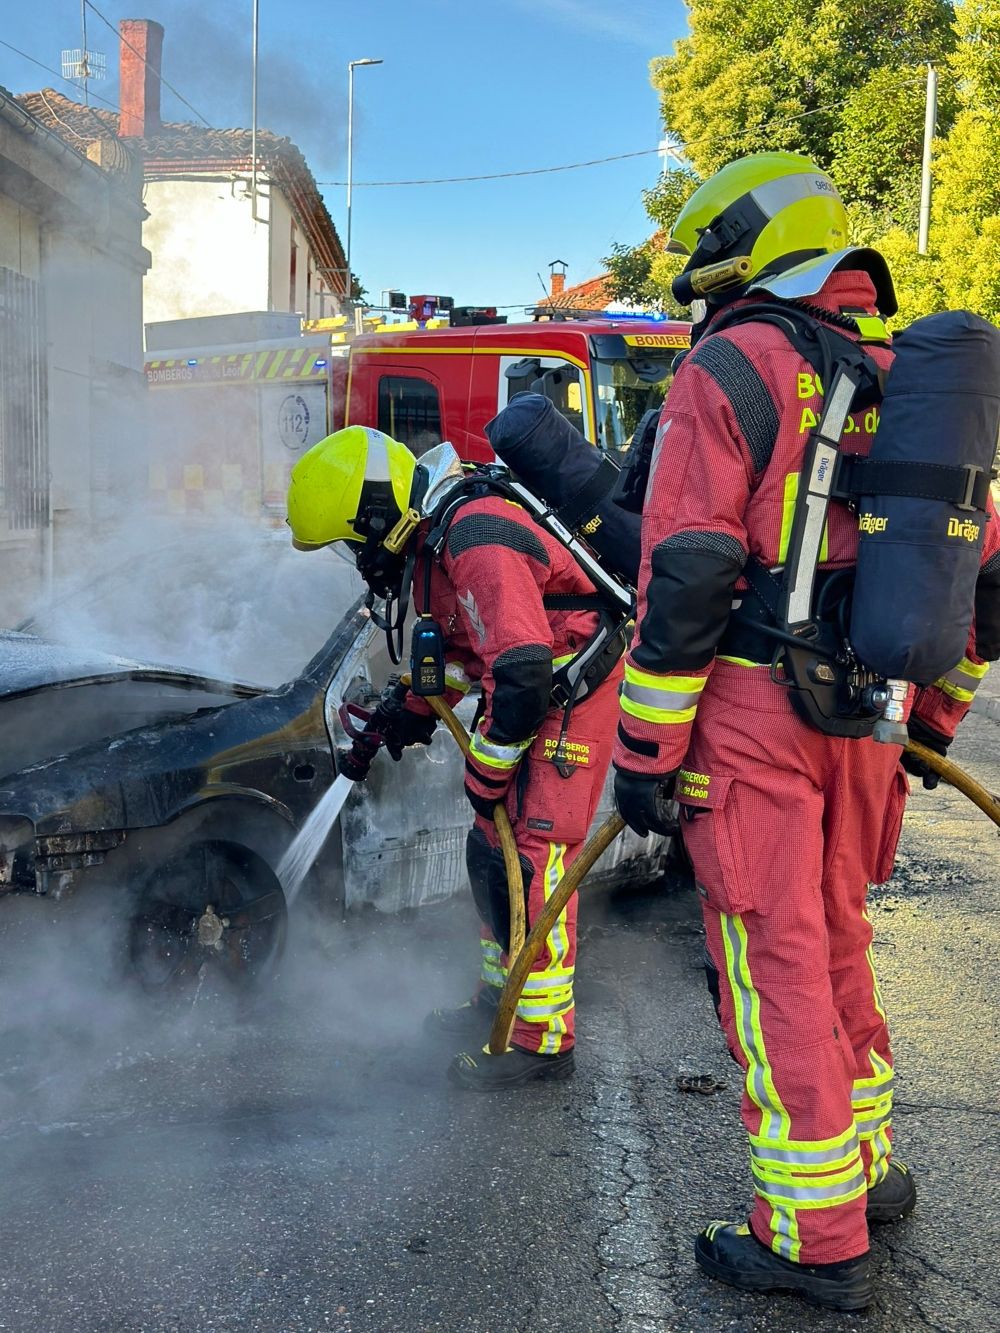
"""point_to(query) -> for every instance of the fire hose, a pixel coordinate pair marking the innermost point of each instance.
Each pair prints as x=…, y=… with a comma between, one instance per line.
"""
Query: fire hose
x=602, y=838
x=959, y=779
x=524, y=952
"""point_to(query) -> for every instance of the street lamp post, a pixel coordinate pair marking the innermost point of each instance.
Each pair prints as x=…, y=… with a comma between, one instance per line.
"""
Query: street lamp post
x=352, y=65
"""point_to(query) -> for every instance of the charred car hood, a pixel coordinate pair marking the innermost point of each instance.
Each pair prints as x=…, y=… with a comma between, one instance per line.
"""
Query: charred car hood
x=29, y=663
x=190, y=737
x=55, y=699
x=150, y=775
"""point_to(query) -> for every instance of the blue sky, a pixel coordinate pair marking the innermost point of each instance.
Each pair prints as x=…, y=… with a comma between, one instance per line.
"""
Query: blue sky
x=467, y=87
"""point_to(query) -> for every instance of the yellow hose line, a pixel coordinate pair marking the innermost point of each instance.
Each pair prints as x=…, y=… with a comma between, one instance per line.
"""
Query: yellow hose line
x=959, y=779
x=599, y=842
x=522, y=962
x=511, y=860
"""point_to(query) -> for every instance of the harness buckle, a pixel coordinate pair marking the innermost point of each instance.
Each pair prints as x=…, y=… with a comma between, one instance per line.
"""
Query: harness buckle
x=560, y=694
x=972, y=475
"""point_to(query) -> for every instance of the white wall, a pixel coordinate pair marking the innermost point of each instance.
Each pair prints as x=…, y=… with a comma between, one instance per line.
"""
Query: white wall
x=211, y=258
x=209, y=255
x=76, y=231
x=279, y=257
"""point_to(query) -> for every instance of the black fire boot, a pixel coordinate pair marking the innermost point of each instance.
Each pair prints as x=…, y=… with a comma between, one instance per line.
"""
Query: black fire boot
x=483, y=1072
x=733, y=1254
x=892, y=1198
x=471, y=1020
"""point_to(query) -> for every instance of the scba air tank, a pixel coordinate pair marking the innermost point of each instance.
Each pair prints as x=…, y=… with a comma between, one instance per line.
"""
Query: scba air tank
x=919, y=554
x=555, y=461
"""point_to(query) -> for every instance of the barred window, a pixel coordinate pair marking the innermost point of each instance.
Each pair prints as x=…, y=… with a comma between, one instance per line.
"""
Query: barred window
x=24, y=461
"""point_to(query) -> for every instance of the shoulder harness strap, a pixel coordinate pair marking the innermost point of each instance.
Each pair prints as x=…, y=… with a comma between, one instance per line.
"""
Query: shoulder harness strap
x=597, y=658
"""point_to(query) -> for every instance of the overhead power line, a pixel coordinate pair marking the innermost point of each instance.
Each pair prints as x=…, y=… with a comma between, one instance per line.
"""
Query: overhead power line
x=180, y=96
x=49, y=70
x=505, y=175
x=615, y=157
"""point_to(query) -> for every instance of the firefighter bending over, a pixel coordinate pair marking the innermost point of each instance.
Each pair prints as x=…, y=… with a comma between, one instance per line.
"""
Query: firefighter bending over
x=514, y=610
x=789, y=806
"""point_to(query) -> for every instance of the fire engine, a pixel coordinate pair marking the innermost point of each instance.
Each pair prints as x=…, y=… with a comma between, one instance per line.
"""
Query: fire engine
x=236, y=399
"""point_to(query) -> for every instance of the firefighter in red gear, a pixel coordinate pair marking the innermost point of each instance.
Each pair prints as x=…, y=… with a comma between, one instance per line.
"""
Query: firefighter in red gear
x=785, y=826
x=515, y=608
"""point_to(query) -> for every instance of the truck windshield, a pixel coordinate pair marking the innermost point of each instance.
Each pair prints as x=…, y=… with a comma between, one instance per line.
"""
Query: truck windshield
x=626, y=389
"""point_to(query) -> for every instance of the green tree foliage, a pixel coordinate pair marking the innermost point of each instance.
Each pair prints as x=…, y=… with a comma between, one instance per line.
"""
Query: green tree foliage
x=843, y=82
x=775, y=74
x=964, y=264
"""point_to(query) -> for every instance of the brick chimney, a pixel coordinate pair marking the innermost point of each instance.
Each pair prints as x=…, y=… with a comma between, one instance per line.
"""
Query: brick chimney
x=558, y=270
x=139, y=93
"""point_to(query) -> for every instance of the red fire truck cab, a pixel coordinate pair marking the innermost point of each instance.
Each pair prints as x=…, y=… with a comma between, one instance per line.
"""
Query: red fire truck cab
x=427, y=385
x=240, y=397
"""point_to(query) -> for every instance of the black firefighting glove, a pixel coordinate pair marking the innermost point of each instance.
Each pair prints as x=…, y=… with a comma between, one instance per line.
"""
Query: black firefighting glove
x=642, y=801
x=924, y=735
x=407, y=728
x=485, y=786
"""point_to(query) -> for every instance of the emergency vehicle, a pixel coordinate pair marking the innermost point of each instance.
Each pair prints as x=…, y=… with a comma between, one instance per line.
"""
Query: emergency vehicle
x=231, y=418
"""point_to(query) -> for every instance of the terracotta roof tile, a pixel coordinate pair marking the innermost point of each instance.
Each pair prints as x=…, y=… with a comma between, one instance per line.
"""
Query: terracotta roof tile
x=594, y=294
x=181, y=147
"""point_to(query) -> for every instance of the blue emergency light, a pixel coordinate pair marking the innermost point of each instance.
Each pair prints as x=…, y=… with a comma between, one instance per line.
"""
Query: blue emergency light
x=657, y=316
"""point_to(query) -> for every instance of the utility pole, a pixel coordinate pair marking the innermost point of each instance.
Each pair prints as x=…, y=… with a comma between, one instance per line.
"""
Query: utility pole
x=253, y=114
x=352, y=65
x=930, y=121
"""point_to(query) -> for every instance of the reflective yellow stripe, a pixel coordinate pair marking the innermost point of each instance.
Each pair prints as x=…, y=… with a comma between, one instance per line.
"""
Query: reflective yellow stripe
x=558, y=947
x=740, y=661
x=671, y=684
x=543, y=1005
x=808, y=1154
x=963, y=680
x=881, y=1146
x=788, y=514
x=504, y=757
x=876, y=989
x=491, y=970
x=871, y=1099
x=820, y=1196
x=667, y=715
x=653, y=698
x=826, y=1184
x=976, y=669
x=775, y=1122
x=547, y=980
x=963, y=696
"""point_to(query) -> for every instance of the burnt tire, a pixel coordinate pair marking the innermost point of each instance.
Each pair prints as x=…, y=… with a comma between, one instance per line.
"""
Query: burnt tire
x=214, y=913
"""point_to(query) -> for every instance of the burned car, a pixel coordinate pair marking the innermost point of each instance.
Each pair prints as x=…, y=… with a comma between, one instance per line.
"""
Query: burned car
x=176, y=795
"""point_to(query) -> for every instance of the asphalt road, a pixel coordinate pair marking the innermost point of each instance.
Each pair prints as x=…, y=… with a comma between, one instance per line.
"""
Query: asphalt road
x=301, y=1165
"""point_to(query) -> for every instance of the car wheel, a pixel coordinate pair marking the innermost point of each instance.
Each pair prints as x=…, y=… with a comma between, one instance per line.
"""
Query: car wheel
x=214, y=912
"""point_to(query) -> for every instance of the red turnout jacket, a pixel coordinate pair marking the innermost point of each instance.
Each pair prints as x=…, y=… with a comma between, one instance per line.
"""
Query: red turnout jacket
x=486, y=593
x=723, y=485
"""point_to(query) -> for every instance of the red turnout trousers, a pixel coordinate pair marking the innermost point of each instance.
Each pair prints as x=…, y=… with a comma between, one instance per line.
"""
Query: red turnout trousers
x=551, y=815
x=786, y=827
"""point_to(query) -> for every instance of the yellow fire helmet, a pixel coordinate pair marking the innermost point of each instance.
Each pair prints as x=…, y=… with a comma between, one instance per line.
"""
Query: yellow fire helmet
x=767, y=215
x=342, y=484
